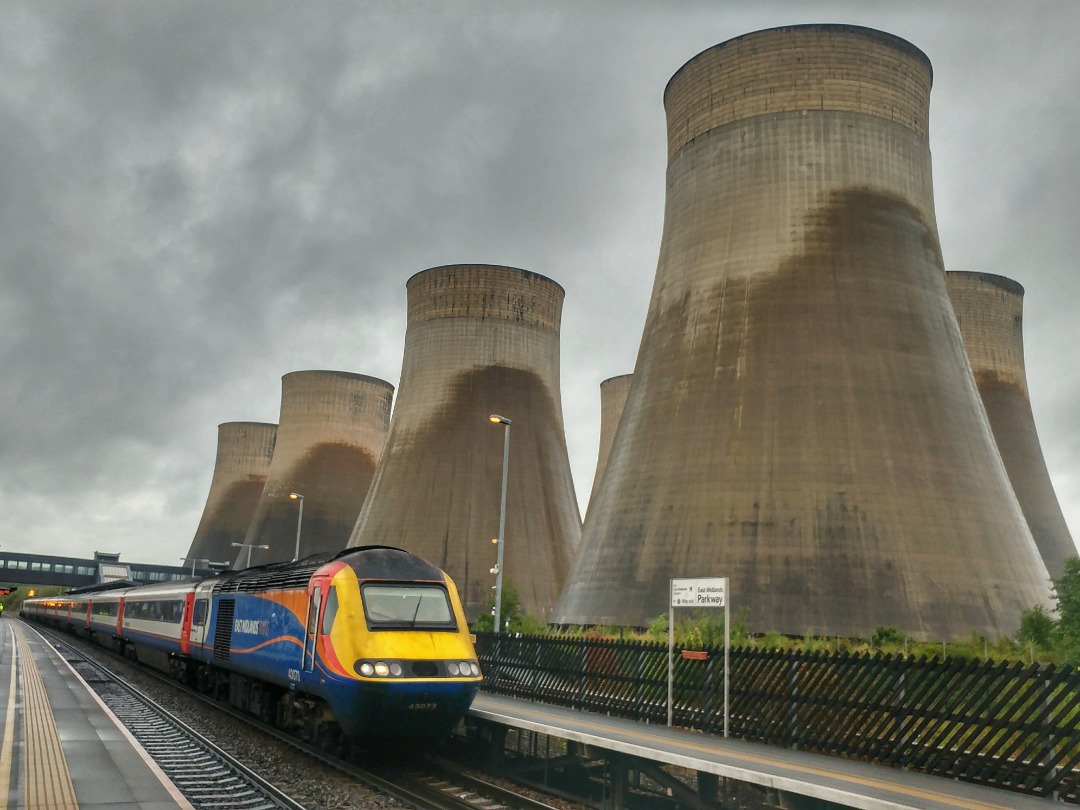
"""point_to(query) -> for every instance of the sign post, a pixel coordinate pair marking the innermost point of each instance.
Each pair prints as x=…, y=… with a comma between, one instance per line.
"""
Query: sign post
x=710, y=592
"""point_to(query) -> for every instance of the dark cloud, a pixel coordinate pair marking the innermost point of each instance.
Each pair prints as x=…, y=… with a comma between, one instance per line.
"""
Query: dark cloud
x=197, y=198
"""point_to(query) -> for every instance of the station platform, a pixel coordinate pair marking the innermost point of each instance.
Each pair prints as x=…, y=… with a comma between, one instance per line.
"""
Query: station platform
x=62, y=748
x=844, y=782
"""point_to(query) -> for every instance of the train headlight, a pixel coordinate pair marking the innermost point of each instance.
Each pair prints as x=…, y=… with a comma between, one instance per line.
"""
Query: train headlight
x=474, y=668
x=395, y=669
x=367, y=670
x=381, y=669
x=452, y=668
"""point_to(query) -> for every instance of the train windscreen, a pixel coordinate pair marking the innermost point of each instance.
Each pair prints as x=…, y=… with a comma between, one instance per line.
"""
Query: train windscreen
x=397, y=606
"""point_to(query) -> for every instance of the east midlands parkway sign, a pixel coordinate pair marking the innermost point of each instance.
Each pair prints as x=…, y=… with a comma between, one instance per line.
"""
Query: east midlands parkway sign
x=702, y=592
x=710, y=592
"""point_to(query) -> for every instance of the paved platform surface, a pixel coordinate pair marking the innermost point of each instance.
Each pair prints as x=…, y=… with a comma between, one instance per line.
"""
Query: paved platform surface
x=61, y=748
x=848, y=783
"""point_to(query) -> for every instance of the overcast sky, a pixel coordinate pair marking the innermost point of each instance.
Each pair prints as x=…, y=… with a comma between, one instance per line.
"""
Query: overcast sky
x=199, y=197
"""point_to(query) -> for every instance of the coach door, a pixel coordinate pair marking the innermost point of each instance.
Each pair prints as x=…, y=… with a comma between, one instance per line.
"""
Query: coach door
x=185, y=624
x=199, y=612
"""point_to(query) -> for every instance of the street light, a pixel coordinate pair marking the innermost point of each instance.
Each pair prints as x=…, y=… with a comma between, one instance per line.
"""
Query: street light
x=501, y=539
x=249, y=547
x=296, y=496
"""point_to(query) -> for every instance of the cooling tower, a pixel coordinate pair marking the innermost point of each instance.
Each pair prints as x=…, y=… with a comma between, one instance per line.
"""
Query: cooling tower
x=803, y=418
x=330, y=436
x=613, y=393
x=990, y=312
x=243, y=460
x=480, y=340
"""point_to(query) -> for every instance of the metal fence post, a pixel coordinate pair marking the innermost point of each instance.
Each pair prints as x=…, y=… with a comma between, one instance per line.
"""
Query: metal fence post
x=580, y=701
x=793, y=709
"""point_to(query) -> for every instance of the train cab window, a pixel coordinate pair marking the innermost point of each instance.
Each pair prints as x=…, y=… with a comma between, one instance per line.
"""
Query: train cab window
x=396, y=606
x=330, y=612
x=199, y=616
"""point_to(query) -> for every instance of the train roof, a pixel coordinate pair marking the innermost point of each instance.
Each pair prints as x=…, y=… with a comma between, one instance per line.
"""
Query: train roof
x=369, y=562
x=101, y=587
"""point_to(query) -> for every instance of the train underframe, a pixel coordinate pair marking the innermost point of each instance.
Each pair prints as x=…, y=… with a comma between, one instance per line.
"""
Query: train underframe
x=307, y=716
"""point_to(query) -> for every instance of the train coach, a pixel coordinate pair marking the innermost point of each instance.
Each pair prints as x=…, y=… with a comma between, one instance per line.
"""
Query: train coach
x=369, y=642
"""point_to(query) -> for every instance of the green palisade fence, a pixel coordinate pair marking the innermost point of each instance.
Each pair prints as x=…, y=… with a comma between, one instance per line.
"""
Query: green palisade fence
x=1009, y=725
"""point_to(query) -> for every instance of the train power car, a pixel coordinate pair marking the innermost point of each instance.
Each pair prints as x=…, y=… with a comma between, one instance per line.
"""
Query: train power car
x=368, y=642
x=374, y=639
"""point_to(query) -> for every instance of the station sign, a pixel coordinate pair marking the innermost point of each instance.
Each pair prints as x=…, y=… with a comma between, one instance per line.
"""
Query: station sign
x=709, y=592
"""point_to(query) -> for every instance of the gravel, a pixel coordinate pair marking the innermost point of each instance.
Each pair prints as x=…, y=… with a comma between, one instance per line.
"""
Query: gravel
x=316, y=786
x=313, y=784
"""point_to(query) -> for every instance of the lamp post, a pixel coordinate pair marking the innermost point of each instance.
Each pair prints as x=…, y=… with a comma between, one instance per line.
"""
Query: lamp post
x=501, y=540
x=206, y=560
x=193, y=561
x=296, y=496
x=249, y=547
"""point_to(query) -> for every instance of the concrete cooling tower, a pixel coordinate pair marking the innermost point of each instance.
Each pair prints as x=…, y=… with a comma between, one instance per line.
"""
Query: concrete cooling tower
x=803, y=418
x=243, y=461
x=480, y=340
x=330, y=436
x=613, y=393
x=990, y=312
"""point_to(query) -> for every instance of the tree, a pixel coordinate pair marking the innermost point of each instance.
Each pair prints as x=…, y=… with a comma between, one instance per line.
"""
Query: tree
x=1067, y=601
x=510, y=610
x=1037, y=628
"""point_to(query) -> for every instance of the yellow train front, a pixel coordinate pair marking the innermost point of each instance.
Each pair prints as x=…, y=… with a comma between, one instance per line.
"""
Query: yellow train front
x=377, y=637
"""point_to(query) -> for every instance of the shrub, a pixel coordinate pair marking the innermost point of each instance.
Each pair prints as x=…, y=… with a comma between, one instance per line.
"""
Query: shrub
x=886, y=637
x=658, y=628
x=1037, y=627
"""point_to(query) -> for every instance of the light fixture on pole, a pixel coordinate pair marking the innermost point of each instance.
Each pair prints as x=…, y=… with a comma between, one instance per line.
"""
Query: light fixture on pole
x=249, y=547
x=501, y=539
x=296, y=496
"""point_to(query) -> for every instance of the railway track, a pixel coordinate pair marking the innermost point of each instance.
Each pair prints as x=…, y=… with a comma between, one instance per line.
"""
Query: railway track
x=208, y=776
x=211, y=778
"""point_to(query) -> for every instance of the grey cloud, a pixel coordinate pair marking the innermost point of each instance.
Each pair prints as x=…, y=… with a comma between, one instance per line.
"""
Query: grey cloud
x=196, y=198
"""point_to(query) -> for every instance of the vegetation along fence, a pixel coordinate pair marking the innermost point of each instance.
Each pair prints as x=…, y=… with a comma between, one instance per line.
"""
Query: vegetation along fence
x=1010, y=725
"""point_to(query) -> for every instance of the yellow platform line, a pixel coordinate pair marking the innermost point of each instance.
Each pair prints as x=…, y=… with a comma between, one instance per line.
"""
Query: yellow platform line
x=8, y=744
x=48, y=780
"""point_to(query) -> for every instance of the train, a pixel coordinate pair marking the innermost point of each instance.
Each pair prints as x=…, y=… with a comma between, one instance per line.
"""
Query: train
x=370, y=642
